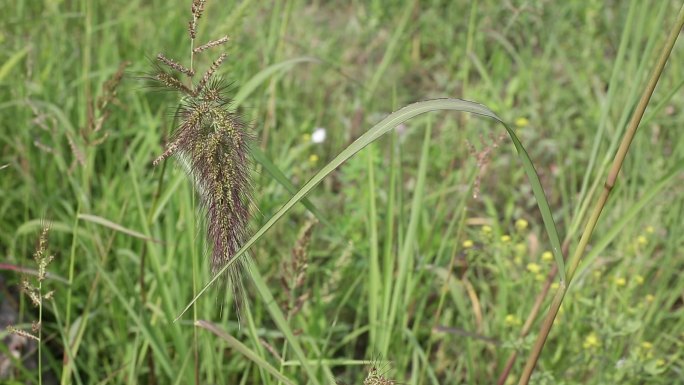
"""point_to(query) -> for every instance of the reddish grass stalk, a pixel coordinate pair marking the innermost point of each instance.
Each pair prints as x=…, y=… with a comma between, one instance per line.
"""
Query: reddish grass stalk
x=600, y=204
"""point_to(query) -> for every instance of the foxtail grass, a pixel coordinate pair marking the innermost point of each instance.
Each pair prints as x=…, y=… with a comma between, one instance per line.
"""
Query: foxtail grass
x=211, y=142
x=38, y=296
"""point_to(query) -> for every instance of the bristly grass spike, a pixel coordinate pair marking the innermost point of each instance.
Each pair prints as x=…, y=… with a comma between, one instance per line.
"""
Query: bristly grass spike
x=212, y=141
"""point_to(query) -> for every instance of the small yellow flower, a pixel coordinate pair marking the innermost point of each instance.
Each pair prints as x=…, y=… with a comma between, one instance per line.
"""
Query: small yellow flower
x=505, y=238
x=512, y=320
x=517, y=260
x=591, y=341
x=522, y=122
x=486, y=229
x=467, y=244
x=521, y=224
x=639, y=279
x=555, y=286
x=660, y=362
x=620, y=281
x=547, y=256
x=540, y=277
x=533, y=268
x=646, y=349
x=650, y=230
x=306, y=138
x=313, y=158
x=597, y=274
x=650, y=298
x=642, y=240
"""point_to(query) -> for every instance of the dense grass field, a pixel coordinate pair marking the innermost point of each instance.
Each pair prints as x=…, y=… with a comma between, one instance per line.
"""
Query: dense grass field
x=425, y=252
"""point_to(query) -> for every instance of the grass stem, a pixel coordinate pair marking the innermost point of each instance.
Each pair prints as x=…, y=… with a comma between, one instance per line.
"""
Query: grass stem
x=600, y=204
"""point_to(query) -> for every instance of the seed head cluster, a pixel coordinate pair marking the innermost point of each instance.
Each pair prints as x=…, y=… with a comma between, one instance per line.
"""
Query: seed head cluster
x=212, y=141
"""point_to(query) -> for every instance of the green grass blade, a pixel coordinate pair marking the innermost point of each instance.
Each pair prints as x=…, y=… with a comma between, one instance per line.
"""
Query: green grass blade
x=115, y=226
x=243, y=349
x=12, y=61
x=280, y=177
x=283, y=326
x=145, y=328
x=629, y=215
x=261, y=77
x=406, y=256
x=387, y=124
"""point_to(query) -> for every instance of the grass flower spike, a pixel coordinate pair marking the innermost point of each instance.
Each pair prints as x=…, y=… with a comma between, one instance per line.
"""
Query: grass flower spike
x=211, y=142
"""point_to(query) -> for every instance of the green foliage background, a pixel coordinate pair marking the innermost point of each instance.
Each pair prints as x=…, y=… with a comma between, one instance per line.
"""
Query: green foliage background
x=128, y=238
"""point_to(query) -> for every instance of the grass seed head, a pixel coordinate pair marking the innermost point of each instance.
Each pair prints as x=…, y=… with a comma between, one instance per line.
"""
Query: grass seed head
x=212, y=140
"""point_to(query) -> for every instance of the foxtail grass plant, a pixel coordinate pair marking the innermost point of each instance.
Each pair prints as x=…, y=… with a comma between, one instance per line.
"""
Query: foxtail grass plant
x=211, y=142
x=38, y=296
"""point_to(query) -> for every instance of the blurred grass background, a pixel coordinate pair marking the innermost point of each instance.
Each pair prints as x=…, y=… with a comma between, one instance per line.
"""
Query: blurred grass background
x=565, y=74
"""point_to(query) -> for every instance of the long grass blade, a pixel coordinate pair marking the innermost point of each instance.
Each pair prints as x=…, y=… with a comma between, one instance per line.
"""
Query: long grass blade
x=266, y=73
x=116, y=227
x=243, y=349
x=387, y=124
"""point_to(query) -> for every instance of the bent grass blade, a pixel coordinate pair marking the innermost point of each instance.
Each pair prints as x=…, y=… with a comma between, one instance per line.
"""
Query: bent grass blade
x=387, y=124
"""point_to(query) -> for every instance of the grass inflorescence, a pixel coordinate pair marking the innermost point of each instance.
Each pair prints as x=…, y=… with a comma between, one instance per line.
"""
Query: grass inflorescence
x=211, y=141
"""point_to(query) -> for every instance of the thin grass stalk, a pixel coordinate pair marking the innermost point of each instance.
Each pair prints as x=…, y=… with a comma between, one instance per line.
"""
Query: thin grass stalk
x=532, y=316
x=600, y=204
x=445, y=286
x=195, y=279
x=40, y=333
x=374, y=293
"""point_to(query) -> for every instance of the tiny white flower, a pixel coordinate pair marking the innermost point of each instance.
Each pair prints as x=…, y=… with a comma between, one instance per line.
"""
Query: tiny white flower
x=318, y=135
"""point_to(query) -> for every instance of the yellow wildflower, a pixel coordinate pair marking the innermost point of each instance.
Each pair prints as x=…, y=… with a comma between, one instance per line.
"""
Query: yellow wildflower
x=306, y=138
x=660, y=362
x=313, y=158
x=540, y=277
x=639, y=279
x=555, y=286
x=547, y=256
x=486, y=229
x=646, y=345
x=522, y=122
x=533, y=268
x=591, y=341
x=620, y=281
x=467, y=244
x=650, y=298
x=512, y=320
x=597, y=274
x=642, y=240
x=505, y=238
x=517, y=260
x=521, y=224
x=650, y=230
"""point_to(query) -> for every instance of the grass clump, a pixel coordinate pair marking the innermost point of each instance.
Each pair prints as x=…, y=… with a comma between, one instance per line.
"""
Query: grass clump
x=401, y=264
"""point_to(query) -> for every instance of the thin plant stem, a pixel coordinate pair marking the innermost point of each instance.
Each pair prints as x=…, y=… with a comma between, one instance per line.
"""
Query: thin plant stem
x=532, y=316
x=600, y=204
x=40, y=332
x=195, y=337
x=195, y=272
